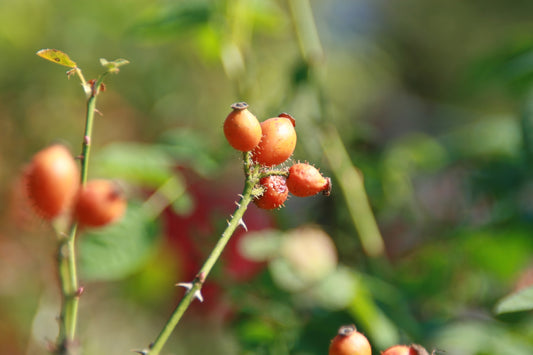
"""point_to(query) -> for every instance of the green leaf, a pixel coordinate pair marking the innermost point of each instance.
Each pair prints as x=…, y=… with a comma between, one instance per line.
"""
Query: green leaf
x=117, y=251
x=509, y=66
x=179, y=21
x=516, y=302
x=57, y=56
x=190, y=148
x=136, y=163
x=498, y=136
x=483, y=337
x=113, y=66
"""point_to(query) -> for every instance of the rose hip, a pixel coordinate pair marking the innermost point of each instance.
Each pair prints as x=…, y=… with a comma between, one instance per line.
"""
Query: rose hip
x=349, y=342
x=305, y=180
x=275, y=192
x=277, y=142
x=52, y=180
x=99, y=203
x=241, y=128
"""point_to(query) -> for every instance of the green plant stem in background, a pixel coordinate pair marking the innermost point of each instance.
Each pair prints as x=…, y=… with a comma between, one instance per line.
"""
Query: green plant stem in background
x=352, y=185
x=347, y=175
x=68, y=274
x=194, y=288
x=306, y=31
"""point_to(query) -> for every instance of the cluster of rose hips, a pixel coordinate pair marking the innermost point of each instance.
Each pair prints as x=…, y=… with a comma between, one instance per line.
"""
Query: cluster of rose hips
x=349, y=341
x=271, y=143
x=53, y=186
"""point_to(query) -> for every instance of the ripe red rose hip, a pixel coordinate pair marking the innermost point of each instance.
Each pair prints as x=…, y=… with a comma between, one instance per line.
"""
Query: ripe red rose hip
x=413, y=349
x=277, y=142
x=241, y=128
x=305, y=180
x=349, y=342
x=52, y=180
x=99, y=203
x=275, y=192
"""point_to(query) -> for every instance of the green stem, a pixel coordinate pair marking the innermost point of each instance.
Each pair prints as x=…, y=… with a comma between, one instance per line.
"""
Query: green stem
x=91, y=109
x=352, y=187
x=348, y=176
x=68, y=274
x=306, y=31
x=252, y=178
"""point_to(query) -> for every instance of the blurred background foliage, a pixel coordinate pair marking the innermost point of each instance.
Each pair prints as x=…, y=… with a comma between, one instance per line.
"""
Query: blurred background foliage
x=428, y=104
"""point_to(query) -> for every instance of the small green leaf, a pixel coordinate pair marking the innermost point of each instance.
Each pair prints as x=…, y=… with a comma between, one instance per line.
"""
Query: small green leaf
x=57, y=56
x=516, y=302
x=113, y=66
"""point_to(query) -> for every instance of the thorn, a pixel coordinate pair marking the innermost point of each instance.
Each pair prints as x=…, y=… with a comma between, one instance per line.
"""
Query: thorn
x=198, y=296
x=238, y=204
x=241, y=195
x=241, y=222
x=98, y=112
x=142, y=352
x=227, y=222
x=186, y=285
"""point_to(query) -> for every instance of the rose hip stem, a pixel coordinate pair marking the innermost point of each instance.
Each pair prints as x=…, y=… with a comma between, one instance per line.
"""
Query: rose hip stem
x=66, y=254
x=194, y=288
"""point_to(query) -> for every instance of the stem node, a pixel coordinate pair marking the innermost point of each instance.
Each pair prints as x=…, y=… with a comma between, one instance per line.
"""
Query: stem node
x=79, y=292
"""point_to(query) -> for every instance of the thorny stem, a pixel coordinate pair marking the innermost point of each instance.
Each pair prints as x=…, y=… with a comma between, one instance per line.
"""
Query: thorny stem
x=193, y=289
x=68, y=274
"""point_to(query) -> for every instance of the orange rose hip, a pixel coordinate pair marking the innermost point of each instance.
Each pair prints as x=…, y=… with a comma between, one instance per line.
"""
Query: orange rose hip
x=52, y=181
x=413, y=349
x=275, y=192
x=277, y=142
x=305, y=180
x=241, y=128
x=349, y=342
x=99, y=203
